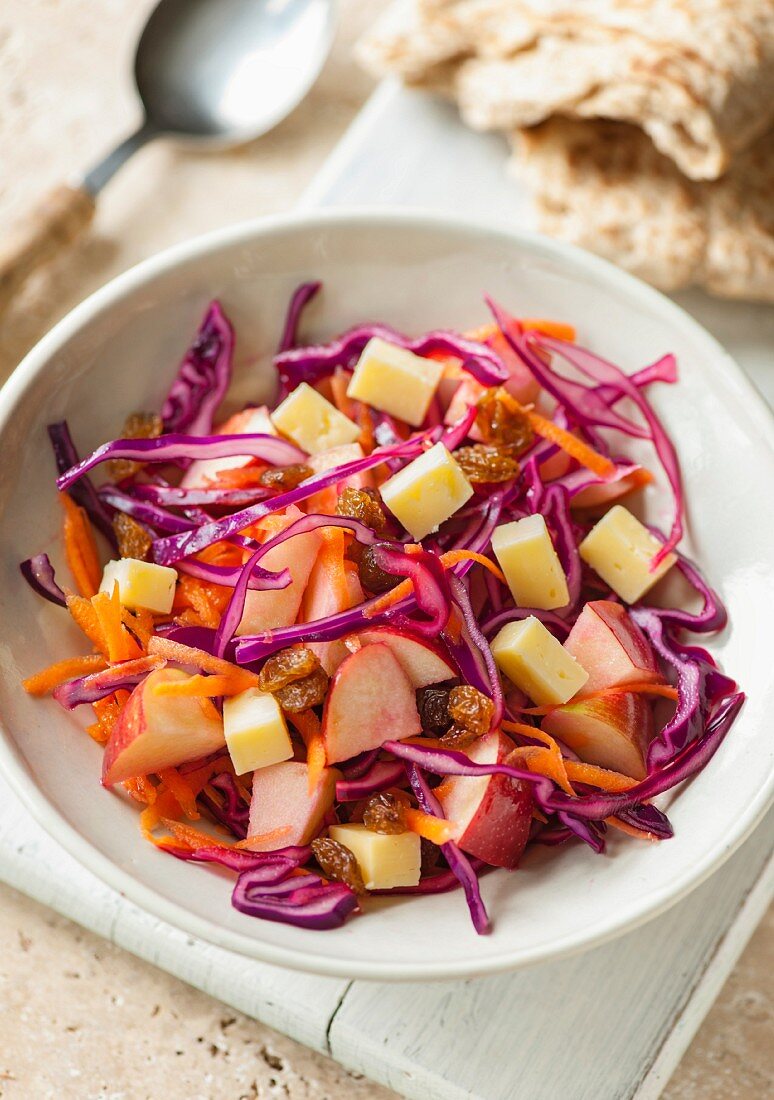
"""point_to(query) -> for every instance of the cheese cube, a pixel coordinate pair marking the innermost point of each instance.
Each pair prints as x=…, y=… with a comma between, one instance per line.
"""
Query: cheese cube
x=536, y=662
x=141, y=584
x=530, y=563
x=427, y=491
x=384, y=860
x=621, y=549
x=312, y=422
x=256, y=734
x=395, y=381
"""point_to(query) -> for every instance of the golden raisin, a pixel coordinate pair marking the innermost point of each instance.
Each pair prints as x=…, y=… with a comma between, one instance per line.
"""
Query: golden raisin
x=501, y=420
x=471, y=709
x=385, y=814
x=457, y=737
x=302, y=694
x=287, y=665
x=338, y=863
x=133, y=540
x=285, y=477
x=363, y=505
x=433, y=707
x=139, y=425
x=485, y=462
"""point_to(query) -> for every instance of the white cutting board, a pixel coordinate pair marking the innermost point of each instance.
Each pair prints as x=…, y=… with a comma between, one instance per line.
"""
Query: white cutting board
x=608, y=1025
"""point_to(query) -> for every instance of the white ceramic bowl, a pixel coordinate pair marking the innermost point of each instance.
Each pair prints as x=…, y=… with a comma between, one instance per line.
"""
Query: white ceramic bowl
x=117, y=352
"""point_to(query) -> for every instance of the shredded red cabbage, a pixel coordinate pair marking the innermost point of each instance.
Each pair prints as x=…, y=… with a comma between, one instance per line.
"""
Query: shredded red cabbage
x=83, y=493
x=203, y=377
x=38, y=572
x=98, y=685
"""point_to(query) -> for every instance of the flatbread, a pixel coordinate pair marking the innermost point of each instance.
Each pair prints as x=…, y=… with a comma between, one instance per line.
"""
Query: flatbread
x=696, y=75
x=604, y=186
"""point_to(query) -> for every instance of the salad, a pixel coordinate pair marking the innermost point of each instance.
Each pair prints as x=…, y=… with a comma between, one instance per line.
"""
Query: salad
x=394, y=630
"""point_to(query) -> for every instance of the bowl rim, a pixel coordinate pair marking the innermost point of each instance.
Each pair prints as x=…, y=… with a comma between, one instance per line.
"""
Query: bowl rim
x=12, y=767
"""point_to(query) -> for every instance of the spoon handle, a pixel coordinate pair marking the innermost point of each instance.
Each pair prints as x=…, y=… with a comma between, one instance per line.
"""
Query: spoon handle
x=58, y=219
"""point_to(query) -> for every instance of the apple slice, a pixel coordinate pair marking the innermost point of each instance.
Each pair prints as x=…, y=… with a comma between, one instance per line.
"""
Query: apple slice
x=252, y=421
x=492, y=813
x=611, y=647
x=279, y=607
x=598, y=496
x=160, y=731
x=423, y=662
x=322, y=598
x=612, y=731
x=282, y=808
x=371, y=700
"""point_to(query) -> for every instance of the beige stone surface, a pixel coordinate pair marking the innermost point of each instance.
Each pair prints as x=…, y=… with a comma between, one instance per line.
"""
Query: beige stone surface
x=79, y=1018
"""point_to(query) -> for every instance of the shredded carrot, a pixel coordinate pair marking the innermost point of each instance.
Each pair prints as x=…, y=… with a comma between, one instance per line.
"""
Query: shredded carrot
x=665, y=691
x=366, y=438
x=308, y=725
x=80, y=548
x=205, y=687
x=121, y=646
x=193, y=837
x=547, y=761
x=164, y=806
x=435, y=829
x=574, y=447
x=330, y=561
x=139, y=623
x=454, y=625
x=85, y=616
x=603, y=778
x=141, y=789
x=339, y=381
x=207, y=600
x=237, y=477
x=263, y=838
x=178, y=786
x=630, y=830
x=558, y=329
x=49, y=678
x=447, y=560
x=187, y=655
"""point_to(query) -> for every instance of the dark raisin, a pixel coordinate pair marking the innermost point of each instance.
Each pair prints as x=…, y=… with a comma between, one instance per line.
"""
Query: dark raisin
x=431, y=853
x=285, y=477
x=471, y=709
x=287, y=665
x=486, y=462
x=303, y=694
x=501, y=420
x=363, y=505
x=338, y=863
x=136, y=426
x=372, y=576
x=433, y=707
x=384, y=813
x=133, y=540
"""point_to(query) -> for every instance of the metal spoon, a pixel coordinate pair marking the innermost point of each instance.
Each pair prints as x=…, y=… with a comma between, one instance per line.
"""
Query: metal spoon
x=209, y=73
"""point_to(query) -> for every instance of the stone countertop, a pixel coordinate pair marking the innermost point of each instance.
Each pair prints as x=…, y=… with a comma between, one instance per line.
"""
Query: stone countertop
x=80, y=1018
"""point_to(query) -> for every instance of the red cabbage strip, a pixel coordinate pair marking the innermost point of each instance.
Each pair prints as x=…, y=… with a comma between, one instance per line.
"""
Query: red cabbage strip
x=663, y=370
x=459, y=864
x=310, y=364
x=475, y=642
x=228, y=575
x=235, y=608
x=359, y=765
x=300, y=298
x=174, y=496
x=38, y=572
x=316, y=907
x=98, y=685
x=431, y=584
x=649, y=819
x=380, y=776
x=202, y=378
x=271, y=866
x=548, y=618
x=600, y=370
x=151, y=514
x=440, y=883
x=578, y=480
x=84, y=493
x=233, y=811
x=713, y=615
x=594, y=806
x=590, y=832
x=169, y=550
x=176, y=448
x=557, y=513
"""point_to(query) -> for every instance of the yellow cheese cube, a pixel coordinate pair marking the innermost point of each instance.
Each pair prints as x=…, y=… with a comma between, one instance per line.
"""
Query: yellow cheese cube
x=315, y=425
x=536, y=662
x=141, y=584
x=385, y=860
x=427, y=491
x=255, y=729
x=621, y=549
x=530, y=563
x=395, y=380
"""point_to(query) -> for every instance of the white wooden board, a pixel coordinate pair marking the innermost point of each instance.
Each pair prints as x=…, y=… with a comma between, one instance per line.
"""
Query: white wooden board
x=608, y=1025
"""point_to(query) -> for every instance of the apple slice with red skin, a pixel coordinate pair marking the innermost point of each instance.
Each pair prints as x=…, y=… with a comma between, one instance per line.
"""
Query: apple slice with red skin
x=282, y=800
x=321, y=599
x=492, y=813
x=253, y=421
x=277, y=607
x=160, y=731
x=423, y=662
x=611, y=648
x=599, y=496
x=371, y=700
x=612, y=731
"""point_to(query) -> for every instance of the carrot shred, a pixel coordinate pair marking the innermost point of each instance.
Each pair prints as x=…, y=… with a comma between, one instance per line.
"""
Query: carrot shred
x=207, y=600
x=574, y=447
x=193, y=837
x=547, y=761
x=80, y=548
x=366, y=438
x=203, y=687
x=84, y=615
x=44, y=682
x=308, y=725
x=180, y=789
x=237, y=477
x=447, y=560
x=121, y=646
x=141, y=789
x=263, y=838
x=188, y=655
x=434, y=829
x=558, y=329
x=603, y=778
x=339, y=382
x=631, y=830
